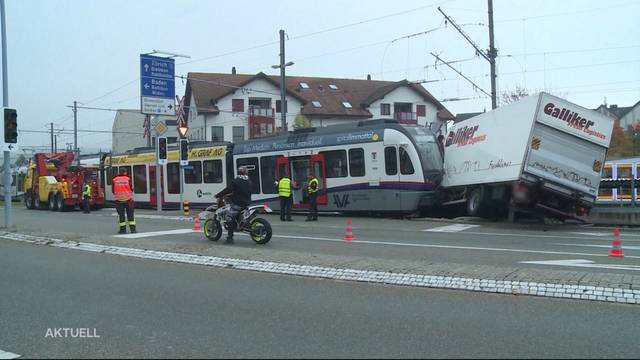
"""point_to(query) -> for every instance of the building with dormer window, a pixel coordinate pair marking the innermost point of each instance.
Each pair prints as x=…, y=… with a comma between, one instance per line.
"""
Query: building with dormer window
x=235, y=107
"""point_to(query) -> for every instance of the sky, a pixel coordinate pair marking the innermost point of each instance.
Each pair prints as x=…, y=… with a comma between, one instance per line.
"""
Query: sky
x=88, y=51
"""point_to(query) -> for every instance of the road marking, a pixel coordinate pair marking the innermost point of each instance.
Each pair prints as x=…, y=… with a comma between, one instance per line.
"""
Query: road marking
x=590, y=234
x=452, y=228
x=602, y=246
x=583, y=263
x=155, y=233
x=445, y=246
x=558, y=236
x=161, y=217
x=604, y=234
x=8, y=355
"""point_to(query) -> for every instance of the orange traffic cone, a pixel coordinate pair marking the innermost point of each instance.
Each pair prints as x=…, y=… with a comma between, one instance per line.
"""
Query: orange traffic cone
x=616, y=251
x=196, y=225
x=348, y=232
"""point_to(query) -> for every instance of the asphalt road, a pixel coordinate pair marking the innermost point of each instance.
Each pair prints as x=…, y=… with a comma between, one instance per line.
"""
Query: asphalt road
x=482, y=244
x=144, y=308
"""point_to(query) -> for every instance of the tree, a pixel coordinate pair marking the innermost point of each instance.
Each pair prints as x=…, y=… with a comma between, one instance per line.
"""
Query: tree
x=22, y=160
x=301, y=122
x=621, y=143
x=508, y=97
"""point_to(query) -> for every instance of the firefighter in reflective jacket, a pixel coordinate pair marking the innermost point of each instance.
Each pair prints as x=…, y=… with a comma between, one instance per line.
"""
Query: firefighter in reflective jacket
x=312, y=190
x=124, y=201
x=286, y=200
x=86, y=195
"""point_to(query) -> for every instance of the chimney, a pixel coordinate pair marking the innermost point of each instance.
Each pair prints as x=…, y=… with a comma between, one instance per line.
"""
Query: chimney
x=368, y=76
x=613, y=106
x=233, y=70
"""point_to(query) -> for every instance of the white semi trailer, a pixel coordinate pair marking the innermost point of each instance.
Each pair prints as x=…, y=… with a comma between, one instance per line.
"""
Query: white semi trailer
x=541, y=154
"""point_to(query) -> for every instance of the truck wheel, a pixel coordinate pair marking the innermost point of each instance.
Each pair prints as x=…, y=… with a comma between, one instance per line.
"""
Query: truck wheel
x=28, y=200
x=474, y=201
x=60, y=202
x=53, y=205
x=36, y=202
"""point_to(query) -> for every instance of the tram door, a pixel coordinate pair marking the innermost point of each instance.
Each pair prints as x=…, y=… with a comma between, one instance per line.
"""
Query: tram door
x=317, y=169
x=299, y=169
x=153, y=196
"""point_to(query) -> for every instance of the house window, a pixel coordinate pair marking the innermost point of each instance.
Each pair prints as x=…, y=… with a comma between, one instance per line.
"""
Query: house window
x=261, y=103
x=279, y=106
x=333, y=87
x=316, y=104
x=217, y=133
x=304, y=85
x=347, y=105
x=237, y=105
x=385, y=109
x=420, y=110
x=238, y=133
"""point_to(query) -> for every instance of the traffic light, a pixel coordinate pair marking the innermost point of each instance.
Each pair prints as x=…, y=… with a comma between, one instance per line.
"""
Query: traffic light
x=162, y=148
x=10, y=126
x=184, y=149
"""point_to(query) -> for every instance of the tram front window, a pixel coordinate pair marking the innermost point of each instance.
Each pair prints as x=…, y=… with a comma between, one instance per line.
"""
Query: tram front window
x=430, y=154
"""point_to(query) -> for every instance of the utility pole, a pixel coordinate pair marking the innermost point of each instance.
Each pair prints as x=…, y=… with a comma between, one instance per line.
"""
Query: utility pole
x=52, y=149
x=75, y=132
x=283, y=99
x=5, y=102
x=489, y=55
x=493, y=53
x=55, y=143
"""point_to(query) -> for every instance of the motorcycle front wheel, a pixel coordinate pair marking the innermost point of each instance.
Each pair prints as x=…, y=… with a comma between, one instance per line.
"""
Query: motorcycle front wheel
x=260, y=231
x=212, y=229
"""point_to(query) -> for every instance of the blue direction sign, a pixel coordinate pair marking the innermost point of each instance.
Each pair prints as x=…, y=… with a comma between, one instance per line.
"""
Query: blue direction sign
x=157, y=76
x=157, y=85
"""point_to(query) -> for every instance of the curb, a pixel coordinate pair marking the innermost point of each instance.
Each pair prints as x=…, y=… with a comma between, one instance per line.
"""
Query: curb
x=575, y=292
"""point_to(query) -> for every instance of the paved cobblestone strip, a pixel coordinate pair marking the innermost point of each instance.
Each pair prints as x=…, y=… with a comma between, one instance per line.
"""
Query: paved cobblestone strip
x=578, y=292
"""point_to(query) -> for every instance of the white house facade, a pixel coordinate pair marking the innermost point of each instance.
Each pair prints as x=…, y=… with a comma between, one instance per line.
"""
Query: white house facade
x=129, y=131
x=235, y=107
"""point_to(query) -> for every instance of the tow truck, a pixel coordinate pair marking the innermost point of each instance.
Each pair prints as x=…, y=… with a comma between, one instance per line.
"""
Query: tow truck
x=52, y=182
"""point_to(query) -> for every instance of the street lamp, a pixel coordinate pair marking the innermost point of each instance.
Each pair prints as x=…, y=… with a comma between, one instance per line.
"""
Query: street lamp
x=283, y=99
x=524, y=78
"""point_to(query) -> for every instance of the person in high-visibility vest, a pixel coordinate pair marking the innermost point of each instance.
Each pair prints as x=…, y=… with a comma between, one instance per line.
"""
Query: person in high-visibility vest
x=122, y=192
x=286, y=199
x=86, y=195
x=312, y=190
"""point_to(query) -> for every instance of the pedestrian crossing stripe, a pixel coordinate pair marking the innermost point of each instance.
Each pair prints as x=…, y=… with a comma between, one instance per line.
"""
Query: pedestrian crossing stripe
x=452, y=228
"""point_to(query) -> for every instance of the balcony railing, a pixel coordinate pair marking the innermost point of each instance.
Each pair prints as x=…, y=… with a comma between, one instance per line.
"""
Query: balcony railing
x=256, y=111
x=410, y=118
x=261, y=122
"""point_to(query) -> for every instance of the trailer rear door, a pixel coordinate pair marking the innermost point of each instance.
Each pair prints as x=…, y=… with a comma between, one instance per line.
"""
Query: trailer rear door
x=565, y=160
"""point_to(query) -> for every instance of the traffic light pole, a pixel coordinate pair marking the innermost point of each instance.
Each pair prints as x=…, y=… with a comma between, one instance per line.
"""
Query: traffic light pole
x=5, y=102
x=158, y=170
